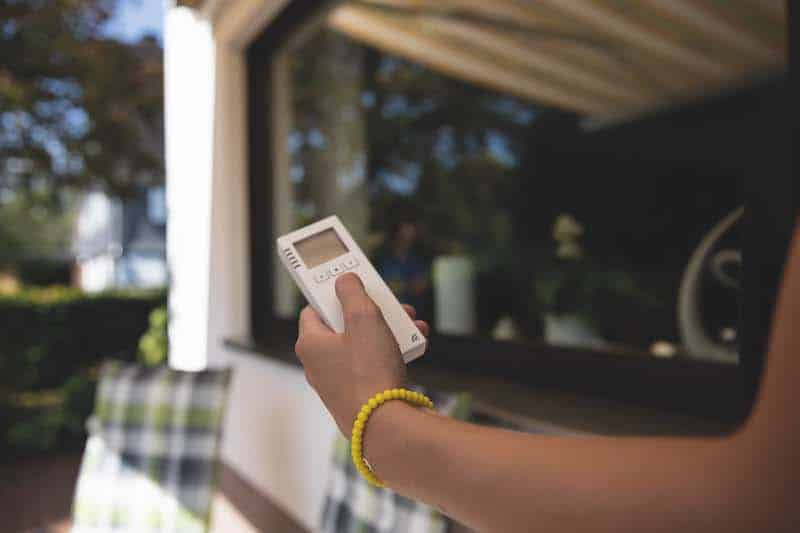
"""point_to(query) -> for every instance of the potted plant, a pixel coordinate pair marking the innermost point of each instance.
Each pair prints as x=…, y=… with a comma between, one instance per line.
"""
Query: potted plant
x=567, y=287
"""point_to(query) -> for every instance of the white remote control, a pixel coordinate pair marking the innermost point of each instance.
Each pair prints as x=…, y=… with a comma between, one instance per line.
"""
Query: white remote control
x=316, y=254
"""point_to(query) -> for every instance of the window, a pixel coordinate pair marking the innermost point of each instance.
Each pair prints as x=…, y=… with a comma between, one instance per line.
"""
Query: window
x=529, y=178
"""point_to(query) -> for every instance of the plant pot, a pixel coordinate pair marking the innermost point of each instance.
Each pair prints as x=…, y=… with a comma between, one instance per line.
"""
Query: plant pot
x=570, y=330
x=454, y=294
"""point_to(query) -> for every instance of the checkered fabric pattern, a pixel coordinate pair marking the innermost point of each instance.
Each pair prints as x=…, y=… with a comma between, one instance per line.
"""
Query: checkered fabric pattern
x=354, y=506
x=151, y=457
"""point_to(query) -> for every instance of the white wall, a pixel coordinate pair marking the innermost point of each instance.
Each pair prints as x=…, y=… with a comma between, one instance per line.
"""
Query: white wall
x=277, y=434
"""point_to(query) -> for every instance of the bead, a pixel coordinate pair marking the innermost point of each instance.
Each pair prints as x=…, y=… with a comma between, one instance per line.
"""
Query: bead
x=356, y=440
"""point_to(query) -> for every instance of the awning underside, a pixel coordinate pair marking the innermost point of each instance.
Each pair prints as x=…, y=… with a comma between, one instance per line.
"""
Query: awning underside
x=599, y=58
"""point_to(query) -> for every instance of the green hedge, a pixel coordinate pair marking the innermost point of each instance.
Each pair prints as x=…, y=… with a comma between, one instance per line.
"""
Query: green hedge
x=50, y=334
x=51, y=341
x=43, y=272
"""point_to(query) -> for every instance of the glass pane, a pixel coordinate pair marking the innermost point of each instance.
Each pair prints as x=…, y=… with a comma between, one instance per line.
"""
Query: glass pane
x=541, y=172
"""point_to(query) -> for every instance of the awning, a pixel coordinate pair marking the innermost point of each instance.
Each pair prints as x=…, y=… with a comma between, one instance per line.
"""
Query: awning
x=599, y=58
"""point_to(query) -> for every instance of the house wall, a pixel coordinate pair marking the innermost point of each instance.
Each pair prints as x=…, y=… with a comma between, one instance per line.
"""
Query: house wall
x=277, y=434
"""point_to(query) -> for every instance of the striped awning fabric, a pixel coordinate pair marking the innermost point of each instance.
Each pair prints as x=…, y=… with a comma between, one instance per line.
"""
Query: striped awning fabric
x=599, y=58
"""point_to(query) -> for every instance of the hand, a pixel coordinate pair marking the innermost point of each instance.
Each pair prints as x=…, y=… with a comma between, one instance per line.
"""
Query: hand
x=346, y=369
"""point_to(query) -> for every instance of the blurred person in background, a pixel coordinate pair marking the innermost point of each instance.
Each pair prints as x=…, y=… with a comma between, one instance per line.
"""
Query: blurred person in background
x=404, y=265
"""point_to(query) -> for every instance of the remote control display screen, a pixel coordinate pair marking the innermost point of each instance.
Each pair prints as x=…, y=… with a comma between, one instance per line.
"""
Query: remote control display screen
x=320, y=248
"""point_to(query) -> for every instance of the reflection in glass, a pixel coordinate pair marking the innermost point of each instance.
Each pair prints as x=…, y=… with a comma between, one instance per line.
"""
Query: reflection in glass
x=537, y=172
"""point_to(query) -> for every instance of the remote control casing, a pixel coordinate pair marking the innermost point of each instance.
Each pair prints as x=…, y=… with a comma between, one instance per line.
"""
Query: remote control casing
x=317, y=284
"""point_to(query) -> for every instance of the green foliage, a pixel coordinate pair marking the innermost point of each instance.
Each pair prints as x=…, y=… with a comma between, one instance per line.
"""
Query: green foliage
x=44, y=272
x=34, y=225
x=52, y=342
x=53, y=333
x=43, y=421
x=33, y=430
x=567, y=281
x=424, y=149
x=77, y=403
x=76, y=106
x=154, y=344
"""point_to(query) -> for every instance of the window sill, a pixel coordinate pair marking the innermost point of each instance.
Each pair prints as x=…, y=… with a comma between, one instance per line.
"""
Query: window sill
x=537, y=408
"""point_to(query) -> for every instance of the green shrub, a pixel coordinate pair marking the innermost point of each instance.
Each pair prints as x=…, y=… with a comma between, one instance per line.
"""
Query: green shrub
x=43, y=272
x=51, y=343
x=154, y=344
x=52, y=334
x=33, y=430
x=77, y=403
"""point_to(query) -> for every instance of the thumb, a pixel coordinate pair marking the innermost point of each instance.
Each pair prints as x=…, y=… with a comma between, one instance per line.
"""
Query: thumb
x=356, y=303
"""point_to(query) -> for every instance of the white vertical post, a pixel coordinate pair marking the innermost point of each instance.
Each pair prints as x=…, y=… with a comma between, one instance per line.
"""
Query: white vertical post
x=189, y=123
x=229, y=285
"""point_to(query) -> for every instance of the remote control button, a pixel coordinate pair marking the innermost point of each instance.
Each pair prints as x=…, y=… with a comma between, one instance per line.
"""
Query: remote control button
x=335, y=270
x=350, y=263
x=320, y=276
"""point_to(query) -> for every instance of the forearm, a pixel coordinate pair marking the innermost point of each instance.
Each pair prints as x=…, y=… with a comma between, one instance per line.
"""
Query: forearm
x=495, y=480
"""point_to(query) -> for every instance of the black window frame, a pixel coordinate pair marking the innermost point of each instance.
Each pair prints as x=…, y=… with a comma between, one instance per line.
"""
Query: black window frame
x=704, y=389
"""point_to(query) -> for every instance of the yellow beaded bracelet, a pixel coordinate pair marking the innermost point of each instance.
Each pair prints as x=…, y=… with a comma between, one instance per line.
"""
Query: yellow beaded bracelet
x=360, y=423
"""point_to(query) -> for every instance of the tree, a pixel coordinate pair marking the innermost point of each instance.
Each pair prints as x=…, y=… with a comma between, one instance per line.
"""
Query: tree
x=32, y=227
x=77, y=108
x=446, y=146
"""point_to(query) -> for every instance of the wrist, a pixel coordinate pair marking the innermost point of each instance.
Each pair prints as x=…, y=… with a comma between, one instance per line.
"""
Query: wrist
x=386, y=407
x=382, y=430
x=362, y=395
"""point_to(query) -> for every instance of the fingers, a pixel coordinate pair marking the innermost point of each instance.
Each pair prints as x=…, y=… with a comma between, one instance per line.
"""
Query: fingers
x=423, y=326
x=356, y=303
x=410, y=310
x=310, y=327
x=310, y=322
